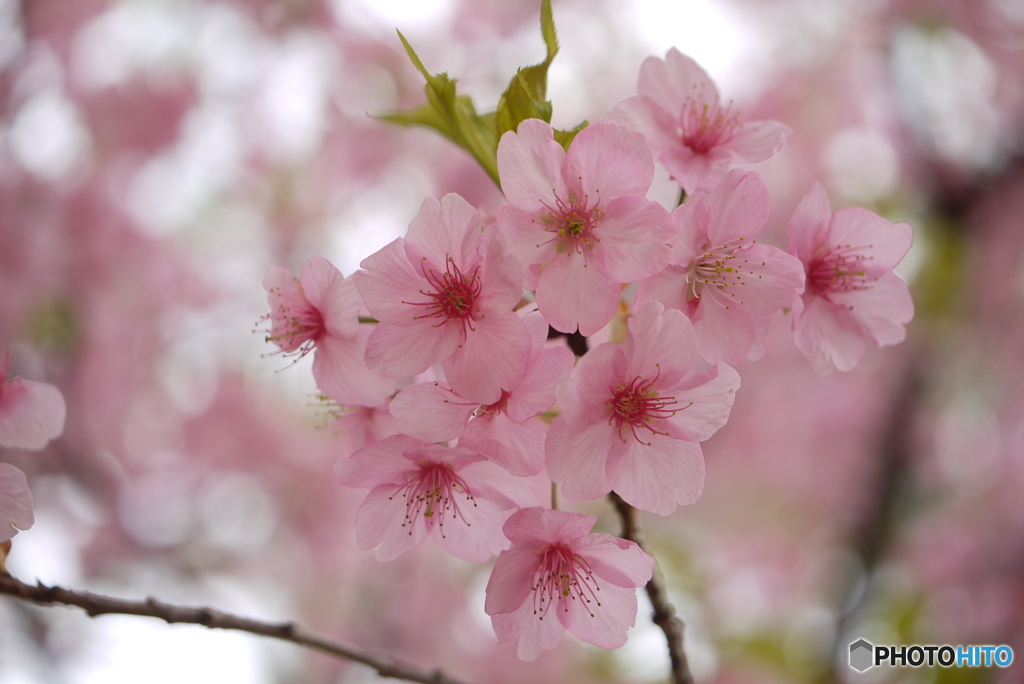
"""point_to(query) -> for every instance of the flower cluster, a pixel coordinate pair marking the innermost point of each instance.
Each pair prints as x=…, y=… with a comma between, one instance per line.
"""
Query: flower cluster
x=468, y=317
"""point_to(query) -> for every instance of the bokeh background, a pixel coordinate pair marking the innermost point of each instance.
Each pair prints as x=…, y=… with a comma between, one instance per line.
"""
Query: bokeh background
x=157, y=156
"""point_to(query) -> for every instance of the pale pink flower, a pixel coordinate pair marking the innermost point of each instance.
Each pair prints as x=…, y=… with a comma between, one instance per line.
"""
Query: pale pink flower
x=557, y=577
x=419, y=489
x=695, y=137
x=507, y=431
x=719, y=277
x=321, y=311
x=444, y=294
x=31, y=413
x=632, y=416
x=852, y=291
x=15, y=502
x=580, y=219
x=362, y=425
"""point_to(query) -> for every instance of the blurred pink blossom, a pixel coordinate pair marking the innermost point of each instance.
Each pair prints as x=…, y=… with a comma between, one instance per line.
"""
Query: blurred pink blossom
x=31, y=413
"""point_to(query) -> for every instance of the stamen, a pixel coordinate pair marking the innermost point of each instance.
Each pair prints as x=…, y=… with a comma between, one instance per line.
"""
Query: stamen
x=637, y=404
x=452, y=294
x=706, y=124
x=433, y=491
x=563, y=576
x=839, y=268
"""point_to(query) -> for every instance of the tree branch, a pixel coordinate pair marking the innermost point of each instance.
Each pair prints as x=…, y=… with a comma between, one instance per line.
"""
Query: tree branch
x=97, y=604
x=664, y=612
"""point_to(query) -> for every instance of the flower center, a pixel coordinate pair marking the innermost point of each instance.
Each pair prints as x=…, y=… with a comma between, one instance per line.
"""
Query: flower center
x=638, y=405
x=720, y=267
x=295, y=327
x=452, y=293
x=706, y=124
x=837, y=269
x=496, y=407
x=432, y=492
x=563, y=576
x=572, y=224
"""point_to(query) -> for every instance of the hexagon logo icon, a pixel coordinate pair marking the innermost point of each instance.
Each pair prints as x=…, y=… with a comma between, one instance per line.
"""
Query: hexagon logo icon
x=861, y=653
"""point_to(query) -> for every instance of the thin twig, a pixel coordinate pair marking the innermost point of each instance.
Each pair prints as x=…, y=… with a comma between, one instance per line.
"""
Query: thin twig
x=664, y=612
x=97, y=604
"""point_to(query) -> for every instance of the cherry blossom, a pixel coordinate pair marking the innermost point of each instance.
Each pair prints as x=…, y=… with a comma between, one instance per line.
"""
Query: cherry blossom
x=852, y=292
x=580, y=219
x=419, y=489
x=632, y=416
x=321, y=311
x=507, y=431
x=445, y=294
x=720, y=277
x=557, y=577
x=695, y=136
x=31, y=413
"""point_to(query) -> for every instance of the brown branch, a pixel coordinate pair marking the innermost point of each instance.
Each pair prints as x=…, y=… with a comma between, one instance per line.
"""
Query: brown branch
x=664, y=612
x=97, y=604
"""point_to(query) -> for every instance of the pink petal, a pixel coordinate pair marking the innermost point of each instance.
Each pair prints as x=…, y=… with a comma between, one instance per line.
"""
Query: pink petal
x=31, y=414
x=530, y=166
x=882, y=309
x=809, y=225
x=647, y=117
x=432, y=411
x=340, y=373
x=603, y=625
x=399, y=352
x=512, y=577
x=491, y=358
x=671, y=82
x=764, y=279
x=15, y=502
x=739, y=207
x=723, y=334
x=828, y=335
x=572, y=294
x=527, y=237
x=661, y=344
x=335, y=297
x=576, y=459
x=442, y=228
x=536, y=393
x=538, y=329
x=884, y=243
x=695, y=172
x=756, y=141
x=382, y=462
x=516, y=446
x=606, y=161
x=388, y=283
x=635, y=238
x=708, y=397
x=656, y=477
x=380, y=523
x=545, y=525
x=668, y=287
x=618, y=561
x=535, y=635
x=584, y=395
x=475, y=538
x=489, y=481
x=501, y=277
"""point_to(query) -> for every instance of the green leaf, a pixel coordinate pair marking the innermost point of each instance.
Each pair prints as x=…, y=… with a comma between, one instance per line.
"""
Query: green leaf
x=526, y=94
x=565, y=138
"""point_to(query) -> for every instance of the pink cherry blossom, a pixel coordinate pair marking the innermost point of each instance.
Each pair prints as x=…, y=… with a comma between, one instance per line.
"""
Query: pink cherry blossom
x=726, y=283
x=580, y=219
x=507, y=431
x=852, y=292
x=557, y=577
x=419, y=489
x=321, y=311
x=695, y=136
x=632, y=416
x=31, y=413
x=15, y=502
x=444, y=294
